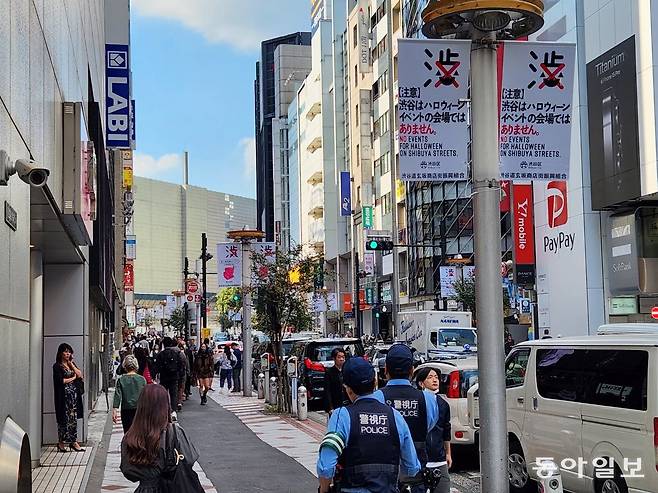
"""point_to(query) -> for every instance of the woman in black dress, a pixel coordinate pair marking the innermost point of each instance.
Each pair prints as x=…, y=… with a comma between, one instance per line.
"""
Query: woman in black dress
x=68, y=399
x=143, y=446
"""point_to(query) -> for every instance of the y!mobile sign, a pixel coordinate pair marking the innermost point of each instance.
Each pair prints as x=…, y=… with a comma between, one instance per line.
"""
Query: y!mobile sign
x=432, y=121
x=524, y=233
x=117, y=100
x=535, y=110
x=229, y=265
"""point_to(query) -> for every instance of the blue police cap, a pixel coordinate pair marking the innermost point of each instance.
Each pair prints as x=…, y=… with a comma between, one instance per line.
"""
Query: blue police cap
x=357, y=373
x=399, y=358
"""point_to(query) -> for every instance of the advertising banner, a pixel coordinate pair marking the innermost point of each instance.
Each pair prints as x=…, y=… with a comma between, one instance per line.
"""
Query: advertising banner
x=369, y=263
x=524, y=233
x=131, y=316
x=448, y=277
x=131, y=247
x=345, y=194
x=170, y=306
x=622, y=262
x=229, y=265
x=117, y=100
x=363, y=29
x=535, y=110
x=613, y=127
x=366, y=217
x=128, y=276
x=432, y=121
x=267, y=250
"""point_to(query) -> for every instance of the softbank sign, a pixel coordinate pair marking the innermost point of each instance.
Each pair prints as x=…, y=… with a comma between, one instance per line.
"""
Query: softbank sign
x=558, y=215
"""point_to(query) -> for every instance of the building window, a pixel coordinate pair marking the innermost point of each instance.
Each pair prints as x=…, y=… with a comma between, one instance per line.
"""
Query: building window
x=380, y=86
x=356, y=75
x=386, y=204
x=380, y=127
x=356, y=115
x=358, y=156
x=385, y=163
x=355, y=36
x=379, y=50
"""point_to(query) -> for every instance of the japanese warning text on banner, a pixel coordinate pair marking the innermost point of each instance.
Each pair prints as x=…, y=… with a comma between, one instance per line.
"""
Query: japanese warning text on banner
x=535, y=110
x=432, y=121
x=266, y=255
x=229, y=265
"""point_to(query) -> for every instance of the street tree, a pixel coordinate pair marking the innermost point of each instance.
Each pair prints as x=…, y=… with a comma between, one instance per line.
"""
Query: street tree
x=465, y=294
x=177, y=320
x=228, y=302
x=281, y=291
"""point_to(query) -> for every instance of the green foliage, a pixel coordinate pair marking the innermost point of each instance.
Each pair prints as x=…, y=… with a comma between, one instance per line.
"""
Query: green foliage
x=177, y=320
x=465, y=294
x=228, y=299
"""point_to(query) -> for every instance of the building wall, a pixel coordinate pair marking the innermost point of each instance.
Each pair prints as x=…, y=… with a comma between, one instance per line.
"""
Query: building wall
x=169, y=220
x=49, y=50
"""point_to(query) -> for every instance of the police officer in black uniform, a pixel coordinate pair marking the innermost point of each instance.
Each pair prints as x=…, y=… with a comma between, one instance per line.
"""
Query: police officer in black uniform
x=419, y=408
x=368, y=440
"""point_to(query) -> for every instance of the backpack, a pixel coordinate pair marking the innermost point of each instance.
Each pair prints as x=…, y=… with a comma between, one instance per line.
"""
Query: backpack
x=169, y=360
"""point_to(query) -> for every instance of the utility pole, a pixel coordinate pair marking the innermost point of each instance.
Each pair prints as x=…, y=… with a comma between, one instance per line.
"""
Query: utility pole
x=485, y=26
x=205, y=256
x=357, y=301
x=186, y=274
x=246, y=319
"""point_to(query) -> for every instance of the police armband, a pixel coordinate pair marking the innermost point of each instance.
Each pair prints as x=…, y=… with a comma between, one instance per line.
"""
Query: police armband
x=333, y=440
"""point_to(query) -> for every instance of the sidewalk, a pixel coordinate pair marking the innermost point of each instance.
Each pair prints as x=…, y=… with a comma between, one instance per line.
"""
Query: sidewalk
x=69, y=472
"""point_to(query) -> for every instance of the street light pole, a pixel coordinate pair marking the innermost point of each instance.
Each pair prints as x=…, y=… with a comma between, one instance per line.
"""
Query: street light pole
x=488, y=290
x=204, y=260
x=246, y=318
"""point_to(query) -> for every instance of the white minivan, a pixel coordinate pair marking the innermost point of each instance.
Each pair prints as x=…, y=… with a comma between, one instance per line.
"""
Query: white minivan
x=589, y=405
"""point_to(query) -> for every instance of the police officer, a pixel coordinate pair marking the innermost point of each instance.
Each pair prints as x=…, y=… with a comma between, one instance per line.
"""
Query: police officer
x=419, y=408
x=369, y=440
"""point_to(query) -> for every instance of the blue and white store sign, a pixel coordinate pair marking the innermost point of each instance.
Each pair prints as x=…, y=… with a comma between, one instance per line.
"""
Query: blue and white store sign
x=117, y=99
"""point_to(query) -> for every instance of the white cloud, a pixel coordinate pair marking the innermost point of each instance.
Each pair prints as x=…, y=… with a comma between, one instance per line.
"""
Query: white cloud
x=151, y=167
x=248, y=150
x=239, y=23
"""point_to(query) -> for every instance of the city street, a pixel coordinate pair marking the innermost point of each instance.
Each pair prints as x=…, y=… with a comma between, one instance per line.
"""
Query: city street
x=244, y=448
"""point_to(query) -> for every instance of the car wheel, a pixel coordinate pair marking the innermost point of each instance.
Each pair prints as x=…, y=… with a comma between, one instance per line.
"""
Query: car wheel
x=612, y=485
x=519, y=479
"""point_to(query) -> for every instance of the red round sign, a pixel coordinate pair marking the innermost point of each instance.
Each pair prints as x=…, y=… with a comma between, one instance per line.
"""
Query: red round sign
x=654, y=312
x=192, y=287
x=190, y=298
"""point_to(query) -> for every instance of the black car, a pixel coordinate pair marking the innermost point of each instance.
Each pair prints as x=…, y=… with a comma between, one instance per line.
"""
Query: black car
x=314, y=357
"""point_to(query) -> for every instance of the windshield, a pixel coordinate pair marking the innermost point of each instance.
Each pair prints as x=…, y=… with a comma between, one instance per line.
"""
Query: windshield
x=457, y=337
x=322, y=352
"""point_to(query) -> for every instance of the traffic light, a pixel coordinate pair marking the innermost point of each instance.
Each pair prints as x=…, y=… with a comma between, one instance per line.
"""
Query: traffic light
x=379, y=245
x=236, y=298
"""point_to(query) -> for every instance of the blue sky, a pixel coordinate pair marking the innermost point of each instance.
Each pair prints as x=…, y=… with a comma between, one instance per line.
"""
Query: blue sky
x=193, y=66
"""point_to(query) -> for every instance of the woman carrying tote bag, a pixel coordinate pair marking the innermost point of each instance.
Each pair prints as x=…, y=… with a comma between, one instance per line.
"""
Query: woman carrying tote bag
x=155, y=452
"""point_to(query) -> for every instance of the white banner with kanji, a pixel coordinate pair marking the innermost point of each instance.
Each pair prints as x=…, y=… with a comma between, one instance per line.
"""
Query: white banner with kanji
x=433, y=111
x=229, y=265
x=266, y=252
x=535, y=110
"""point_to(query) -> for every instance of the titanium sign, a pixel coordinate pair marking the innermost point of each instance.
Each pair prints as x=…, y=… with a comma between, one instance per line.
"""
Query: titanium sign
x=535, y=110
x=432, y=117
x=117, y=99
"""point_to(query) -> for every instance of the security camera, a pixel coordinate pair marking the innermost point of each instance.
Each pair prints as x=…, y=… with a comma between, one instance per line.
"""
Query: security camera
x=26, y=169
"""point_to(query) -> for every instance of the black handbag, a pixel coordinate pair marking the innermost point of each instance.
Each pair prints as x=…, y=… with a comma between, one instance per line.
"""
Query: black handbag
x=178, y=475
x=79, y=385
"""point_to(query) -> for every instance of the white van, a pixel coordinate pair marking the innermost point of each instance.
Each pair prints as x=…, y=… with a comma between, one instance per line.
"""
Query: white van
x=589, y=405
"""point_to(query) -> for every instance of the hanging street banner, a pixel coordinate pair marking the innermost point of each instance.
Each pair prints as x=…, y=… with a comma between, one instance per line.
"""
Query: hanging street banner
x=267, y=250
x=366, y=217
x=345, y=194
x=229, y=265
x=449, y=275
x=432, y=119
x=523, y=229
x=535, y=110
x=369, y=263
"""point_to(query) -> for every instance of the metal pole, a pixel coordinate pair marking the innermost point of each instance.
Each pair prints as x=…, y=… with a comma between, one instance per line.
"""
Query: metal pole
x=186, y=274
x=246, y=320
x=204, y=260
x=357, y=301
x=488, y=289
x=395, y=279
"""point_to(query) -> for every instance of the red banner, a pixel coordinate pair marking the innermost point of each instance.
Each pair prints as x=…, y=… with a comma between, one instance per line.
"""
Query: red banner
x=128, y=277
x=524, y=225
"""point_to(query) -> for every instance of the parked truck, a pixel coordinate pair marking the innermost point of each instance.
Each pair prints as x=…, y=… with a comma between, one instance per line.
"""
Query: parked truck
x=437, y=333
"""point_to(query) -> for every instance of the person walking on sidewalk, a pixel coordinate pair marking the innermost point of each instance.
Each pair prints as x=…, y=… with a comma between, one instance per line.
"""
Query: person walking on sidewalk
x=126, y=394
x=170, y=367
x=142, y=355
x=439, y=455
x=226, y=362
x=334, y=391
x=144, y=447
x=237, y=369
x=203, y=370
x=68, y=398
x=370, y=440
x=187, y=371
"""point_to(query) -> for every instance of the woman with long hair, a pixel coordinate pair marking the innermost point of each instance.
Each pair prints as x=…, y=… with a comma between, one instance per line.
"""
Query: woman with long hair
x=204, y=370
x=68, y=398
x=438, y=439
x=143, y=447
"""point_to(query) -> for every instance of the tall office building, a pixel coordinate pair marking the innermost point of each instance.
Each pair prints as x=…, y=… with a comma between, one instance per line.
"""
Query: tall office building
x=265, y=110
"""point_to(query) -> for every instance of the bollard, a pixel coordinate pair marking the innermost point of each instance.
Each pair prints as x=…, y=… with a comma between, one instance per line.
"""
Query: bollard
x=261, y=386
x=302, y=404
x=550, y=480
x=293, y=396
x=273, y=399
x=266, y=385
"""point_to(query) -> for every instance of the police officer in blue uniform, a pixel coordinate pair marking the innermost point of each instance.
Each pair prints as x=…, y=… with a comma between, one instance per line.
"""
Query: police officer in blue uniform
x=369, y=441
x=419, y=408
